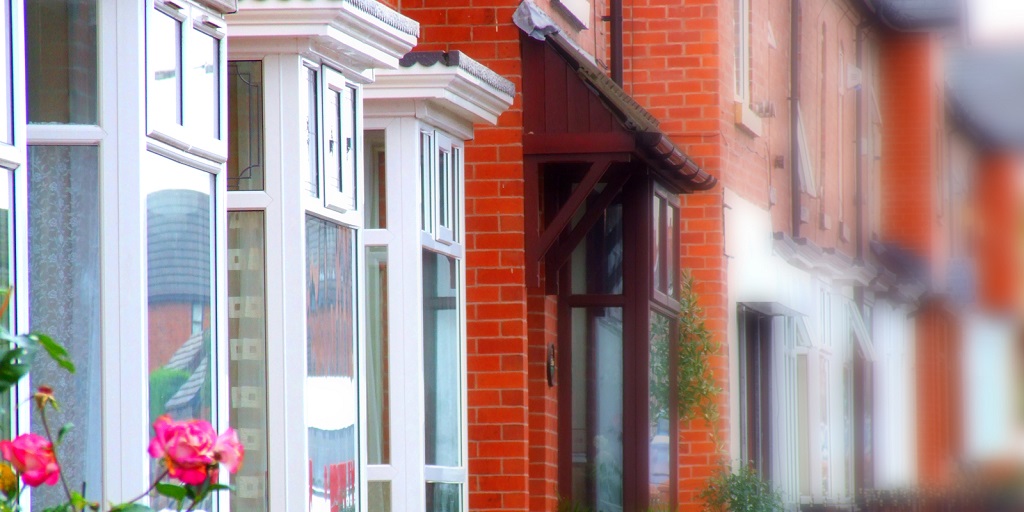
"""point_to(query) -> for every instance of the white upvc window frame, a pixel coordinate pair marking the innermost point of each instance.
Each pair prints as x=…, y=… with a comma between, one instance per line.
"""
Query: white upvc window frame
x=195, y=21
x=412, y=147
x=340, y=138
x=12, y=93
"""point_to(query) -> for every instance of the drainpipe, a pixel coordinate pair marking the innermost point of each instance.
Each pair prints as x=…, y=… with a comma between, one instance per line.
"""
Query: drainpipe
x=859, y=225
x=794, y=104
x=616, y=28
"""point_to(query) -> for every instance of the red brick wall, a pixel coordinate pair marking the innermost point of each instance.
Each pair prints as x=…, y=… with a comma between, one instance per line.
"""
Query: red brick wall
x=998, y=199
x=937, y=364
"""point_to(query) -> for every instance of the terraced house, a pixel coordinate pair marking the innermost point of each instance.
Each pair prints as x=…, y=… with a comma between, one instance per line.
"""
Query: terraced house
x=427, y=254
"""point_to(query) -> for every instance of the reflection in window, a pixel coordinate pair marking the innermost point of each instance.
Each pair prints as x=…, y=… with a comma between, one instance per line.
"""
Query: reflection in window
x=64, y=273
x=247, y=371
x=375, y=167
x=442, y=358
x=180, y=252
x=245, y=125
x=61, y=61
x=6, y=278
x=597, y=421
x=163, y=61
x=308, y=113
x=331, y=394
x=444, y=497
x=378, y=372
x=660, y=411
x=204, y=87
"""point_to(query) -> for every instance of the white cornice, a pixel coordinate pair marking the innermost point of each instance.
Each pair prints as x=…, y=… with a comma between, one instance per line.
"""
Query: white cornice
x=435, y=90
x=338, y=32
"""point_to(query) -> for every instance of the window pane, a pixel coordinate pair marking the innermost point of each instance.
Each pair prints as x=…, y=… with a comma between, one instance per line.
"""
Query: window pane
x=163, y=45
x=203, y=99
x=597, y=260
x=380, y=496
x=444, y=497
x=661, y=408
x=596, y=372
x=308, y=115
x=6, y=278
x=179, y=226
x=64, y=272
x=6, y=88
x=444, y=186
x=247, y=371
x=331, y=393
x=426, y=183
x=442, y=359
x=180, y=256
x=375, y=175
x=658, y=249
x=377, y=348
x=671, y=250
x=245, y=125
x=333, y=143
x=61, y=50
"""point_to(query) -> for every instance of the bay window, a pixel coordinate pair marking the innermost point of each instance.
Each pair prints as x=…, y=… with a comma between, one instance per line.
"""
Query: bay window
x=414, y=164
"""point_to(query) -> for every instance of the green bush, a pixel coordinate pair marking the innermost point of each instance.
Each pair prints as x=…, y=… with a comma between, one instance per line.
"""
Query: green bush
x=743, y=490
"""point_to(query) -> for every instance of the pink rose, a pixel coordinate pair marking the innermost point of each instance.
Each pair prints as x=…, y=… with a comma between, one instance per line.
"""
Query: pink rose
x=186, y=448
x=32, y=456
x=229, y=451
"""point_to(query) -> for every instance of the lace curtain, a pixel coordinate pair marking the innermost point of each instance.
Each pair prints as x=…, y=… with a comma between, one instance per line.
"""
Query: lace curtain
x=64, y=273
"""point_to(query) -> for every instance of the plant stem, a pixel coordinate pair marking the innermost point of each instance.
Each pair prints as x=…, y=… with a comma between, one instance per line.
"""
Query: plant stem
x=151, y=487
x=49, y=436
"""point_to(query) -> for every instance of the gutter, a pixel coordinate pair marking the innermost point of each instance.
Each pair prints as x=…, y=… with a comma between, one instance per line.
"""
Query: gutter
x=794, y=113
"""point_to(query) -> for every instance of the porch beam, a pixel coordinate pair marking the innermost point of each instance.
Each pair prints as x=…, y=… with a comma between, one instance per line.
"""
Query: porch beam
x=563, y=251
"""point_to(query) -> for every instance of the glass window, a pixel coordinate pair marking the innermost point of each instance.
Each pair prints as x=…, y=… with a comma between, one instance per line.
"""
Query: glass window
x=661, y=411
x=6, y=70
x=380, y=497
x=600, y=250
x=442, y=360
x=597, y=379
x=378, y=373
x=6, y=278
x=665, y=246
x=247, y=369
x=61, y=61
x=331, y=393
x=310, y=160
x=64, y=273
x=444, y=497
x=375, y=167
x=427, y=182
x=164, y=67
x=179, y=208
x=245, y=125
x=203, y=99
x=741, y=22
x=340, y=141
x=755, y=389
x=180, y=255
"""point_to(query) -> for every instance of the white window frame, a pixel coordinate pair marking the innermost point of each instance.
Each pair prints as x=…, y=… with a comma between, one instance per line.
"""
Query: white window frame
x=405, y=239
x=195, y=21
x=742, y=68
x=339, y=173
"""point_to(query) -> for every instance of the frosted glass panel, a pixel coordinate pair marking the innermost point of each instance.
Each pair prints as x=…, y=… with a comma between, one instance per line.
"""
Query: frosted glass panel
x=247, y=371
x=444, y=497
x=245, y=125
x=331, y=399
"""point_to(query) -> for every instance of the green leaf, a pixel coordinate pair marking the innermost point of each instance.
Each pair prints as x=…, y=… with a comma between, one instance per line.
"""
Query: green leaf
x=57, y=352
x=130, y=507
x=60, y=437
x=174, y=492
x=221, y=487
